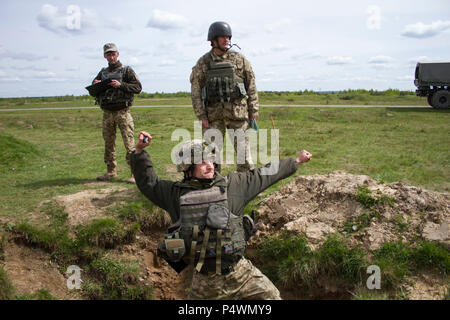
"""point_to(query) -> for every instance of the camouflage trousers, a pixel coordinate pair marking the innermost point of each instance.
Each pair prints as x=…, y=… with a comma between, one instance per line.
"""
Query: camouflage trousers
x=224, y=124
x=112, y=120
x=245, y=282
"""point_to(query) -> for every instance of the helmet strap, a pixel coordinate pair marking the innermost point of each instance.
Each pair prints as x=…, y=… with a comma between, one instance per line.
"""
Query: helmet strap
x=189, y=173
x=226, y=49
x=234, y=44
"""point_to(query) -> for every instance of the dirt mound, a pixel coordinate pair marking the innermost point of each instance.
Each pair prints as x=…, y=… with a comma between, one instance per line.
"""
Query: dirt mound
x=86, y=205
x=373, y=213
x=31, y=269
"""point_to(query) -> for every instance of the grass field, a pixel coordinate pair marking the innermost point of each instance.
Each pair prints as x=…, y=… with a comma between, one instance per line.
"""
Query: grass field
x=51, y=153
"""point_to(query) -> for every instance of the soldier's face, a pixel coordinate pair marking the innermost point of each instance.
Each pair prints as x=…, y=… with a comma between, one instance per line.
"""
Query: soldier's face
x=204, y=170
x=223, y=42
x=112, y=57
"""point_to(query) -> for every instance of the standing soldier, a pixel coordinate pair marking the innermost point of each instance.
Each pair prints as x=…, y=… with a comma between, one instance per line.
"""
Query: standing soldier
x=115, y=103
x=223, y=89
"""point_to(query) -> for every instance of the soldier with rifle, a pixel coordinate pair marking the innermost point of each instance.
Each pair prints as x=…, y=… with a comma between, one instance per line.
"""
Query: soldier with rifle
x=114, y=88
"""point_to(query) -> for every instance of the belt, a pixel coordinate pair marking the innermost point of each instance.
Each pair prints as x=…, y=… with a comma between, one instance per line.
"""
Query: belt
x=209, y=266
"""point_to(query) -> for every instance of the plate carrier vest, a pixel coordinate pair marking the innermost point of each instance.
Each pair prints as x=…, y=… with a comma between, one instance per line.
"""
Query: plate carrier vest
x=207, y=234
x=222, y=83
x=114, y=96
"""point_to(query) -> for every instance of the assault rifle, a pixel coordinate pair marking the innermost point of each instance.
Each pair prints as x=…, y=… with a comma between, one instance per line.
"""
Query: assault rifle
x=100, y=87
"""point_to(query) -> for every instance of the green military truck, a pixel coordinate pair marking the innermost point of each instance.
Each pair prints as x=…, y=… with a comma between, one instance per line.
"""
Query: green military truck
x=433, y=81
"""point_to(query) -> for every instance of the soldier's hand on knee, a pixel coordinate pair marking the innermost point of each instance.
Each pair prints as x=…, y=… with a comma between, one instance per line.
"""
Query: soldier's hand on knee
x=304, y=156
x=144, y=140
x=205, y=124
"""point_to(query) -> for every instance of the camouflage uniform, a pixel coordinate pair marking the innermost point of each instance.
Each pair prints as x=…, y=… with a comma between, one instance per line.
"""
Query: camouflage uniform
x=117, y=114
x=111, y=120
x=243, y=281
x=234, y=114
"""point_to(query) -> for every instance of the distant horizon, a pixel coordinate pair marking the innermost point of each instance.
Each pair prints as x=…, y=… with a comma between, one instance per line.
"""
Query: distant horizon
x=188, y=92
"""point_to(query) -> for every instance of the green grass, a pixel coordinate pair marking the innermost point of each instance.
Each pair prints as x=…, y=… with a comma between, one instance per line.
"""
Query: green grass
x=115, y=279
x=17, y=151
x=398, y=260
x=107, y=233
x=6, y=288
x=365, y=197
x=140, y=210
x=288, y=261
x=410, y=146
x=41, y=294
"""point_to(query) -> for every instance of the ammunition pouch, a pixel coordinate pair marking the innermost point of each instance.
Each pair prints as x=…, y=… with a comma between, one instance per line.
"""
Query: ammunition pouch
x=217, y=217
x=222, y=83
x=172, y=248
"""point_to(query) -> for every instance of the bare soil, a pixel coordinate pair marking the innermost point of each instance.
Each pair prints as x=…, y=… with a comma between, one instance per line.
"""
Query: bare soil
x=31, y=269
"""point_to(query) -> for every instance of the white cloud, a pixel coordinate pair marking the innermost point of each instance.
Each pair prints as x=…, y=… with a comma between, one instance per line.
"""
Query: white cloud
x=405, y=78
x=166, y=21
x=44, y=75
x=279, y=47
x=167, y=63
x=5, y=77
x=257, y=52
x=135, y=61
x=4, y=53
x=117, y=23
x=414, y=60
x=72, y=19
x=32, y=67
x=380, y=60
x=339, y=60
x=278, y=25
x=373, y=21
x=421, y=30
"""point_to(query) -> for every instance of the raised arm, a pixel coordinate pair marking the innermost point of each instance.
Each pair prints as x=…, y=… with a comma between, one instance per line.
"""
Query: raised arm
x=247, y=185
x=163, y=193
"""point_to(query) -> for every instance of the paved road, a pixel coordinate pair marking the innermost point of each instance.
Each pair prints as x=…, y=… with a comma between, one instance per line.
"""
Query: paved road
x=262, y=105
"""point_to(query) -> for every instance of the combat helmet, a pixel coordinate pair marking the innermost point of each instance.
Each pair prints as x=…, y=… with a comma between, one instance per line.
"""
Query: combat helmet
x=217, y=29
x=192, y=152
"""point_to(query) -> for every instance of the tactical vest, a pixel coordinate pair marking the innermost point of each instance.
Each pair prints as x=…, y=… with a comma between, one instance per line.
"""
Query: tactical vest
x=114, y=98
x=222, y=83
x=207, y=235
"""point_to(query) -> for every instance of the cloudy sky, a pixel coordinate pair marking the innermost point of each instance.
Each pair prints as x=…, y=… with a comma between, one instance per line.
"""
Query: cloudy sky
x=55, y=47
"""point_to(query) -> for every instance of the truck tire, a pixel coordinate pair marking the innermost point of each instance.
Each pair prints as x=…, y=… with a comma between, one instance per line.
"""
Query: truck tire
x=430, y=99
x=441, y=99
